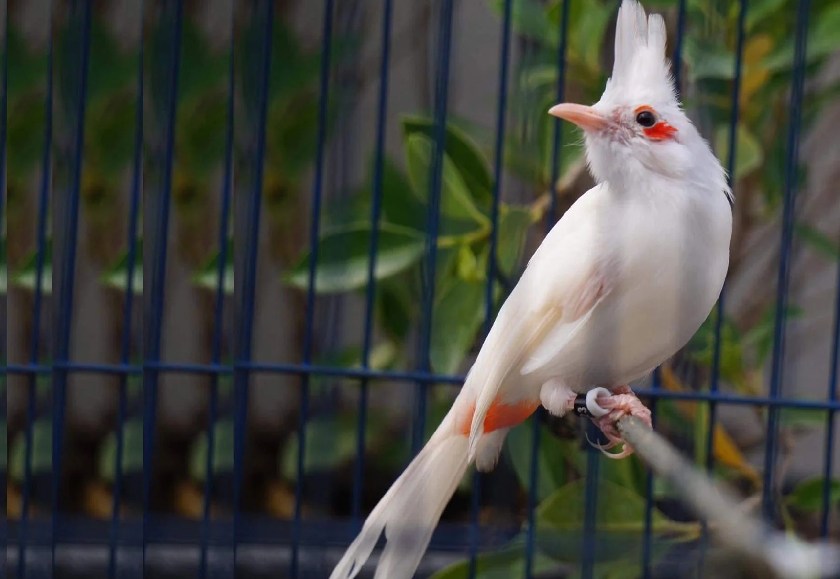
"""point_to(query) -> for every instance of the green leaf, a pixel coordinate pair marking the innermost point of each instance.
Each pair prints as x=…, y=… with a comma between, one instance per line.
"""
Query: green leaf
x=26, y=276
x=464, y=154
x=817, y=240
x=132, y=457
x=26, y=120
x=707, y=59
x=503, y=564
x=801, y=418
x=223, y=445
x=201, y=131
x=620, y=521
x=395, y=307
x=111, y=67
x=116, y=276
x=513, y=231
x=109, y=146
x=455, y=200
x=4, y=441
x=822, y=41
x=761, y=9
x=343, y=257
x=207, y=276
x=41, y=450
x=748, y=155
x=529, y=20
x=458, y=314
x=398, y=204
x=4, y=269
x=701, y=347
x=588, y=27
x=329, y=443
x=760, y=336
x=808, y=495
x=203, y=66
x=551, y=459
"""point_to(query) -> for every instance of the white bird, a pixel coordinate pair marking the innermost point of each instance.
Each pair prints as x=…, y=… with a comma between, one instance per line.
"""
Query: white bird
x=621, y=282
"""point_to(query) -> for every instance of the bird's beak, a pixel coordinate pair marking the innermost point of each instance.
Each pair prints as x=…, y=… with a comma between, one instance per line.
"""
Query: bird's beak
x=584, y=117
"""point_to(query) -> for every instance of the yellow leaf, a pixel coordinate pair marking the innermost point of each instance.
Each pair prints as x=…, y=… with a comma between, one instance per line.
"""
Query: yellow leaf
x=755, y=75
x=724, y=448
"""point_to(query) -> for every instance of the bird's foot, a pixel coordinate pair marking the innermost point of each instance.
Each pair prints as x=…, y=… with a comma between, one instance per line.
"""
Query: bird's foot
x=606, y=408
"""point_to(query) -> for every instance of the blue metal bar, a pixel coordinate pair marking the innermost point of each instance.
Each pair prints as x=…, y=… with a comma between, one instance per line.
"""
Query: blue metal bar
x=85, y=367
x=216, y=348
x=557, y=137
x=3, y=128
x=314, y=229
x=375, y=214
x=647, y=542
x=557, y=143
x=158, y=233
x=66, y=253
x=719, y=308
x=678, y=46
x=492, y=264
x=35, y=344
x=128, y=307
x=590, y=528
x=433, y=216
x=834, y=373
x=783, y=282
x=246, y=290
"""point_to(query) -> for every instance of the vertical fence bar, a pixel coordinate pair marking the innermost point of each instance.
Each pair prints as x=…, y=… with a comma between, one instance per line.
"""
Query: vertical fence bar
x=128, y=307
x=433, y=217
x=678, y=46
x=375, y=214
x=255, y=80
x=37, y=302
x=218, y=313
x=647, y=541
x=162, y=152
x=783, y=282
x=834, y=370
x=556, y=146
x=314, y=233
x=492, y=265
x=732, y=139
x=590, y=509
x=67, y=214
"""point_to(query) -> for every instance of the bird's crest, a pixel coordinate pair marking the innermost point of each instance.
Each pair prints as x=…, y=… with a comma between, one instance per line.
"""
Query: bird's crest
x=640, y=64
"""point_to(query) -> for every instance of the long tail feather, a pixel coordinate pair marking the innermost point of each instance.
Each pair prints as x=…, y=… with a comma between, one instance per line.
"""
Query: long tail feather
x=409, y=511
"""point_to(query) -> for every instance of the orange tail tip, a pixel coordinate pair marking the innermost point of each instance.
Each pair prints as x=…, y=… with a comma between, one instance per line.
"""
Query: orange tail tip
x=500, y=415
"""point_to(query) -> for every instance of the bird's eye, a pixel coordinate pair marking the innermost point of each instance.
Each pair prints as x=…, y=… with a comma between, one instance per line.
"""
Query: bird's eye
x=646, y=118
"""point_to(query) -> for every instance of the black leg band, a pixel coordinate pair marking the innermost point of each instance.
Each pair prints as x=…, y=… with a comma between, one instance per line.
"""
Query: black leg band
x=580, y=406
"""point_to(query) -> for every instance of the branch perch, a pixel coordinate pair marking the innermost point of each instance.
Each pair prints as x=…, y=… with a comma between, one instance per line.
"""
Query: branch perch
x=748, y=536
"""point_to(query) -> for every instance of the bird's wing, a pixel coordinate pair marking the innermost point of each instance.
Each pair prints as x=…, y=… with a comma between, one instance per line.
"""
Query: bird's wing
x=562, y=284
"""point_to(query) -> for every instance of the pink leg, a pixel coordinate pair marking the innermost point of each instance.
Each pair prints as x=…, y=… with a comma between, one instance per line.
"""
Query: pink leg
x=622, y=402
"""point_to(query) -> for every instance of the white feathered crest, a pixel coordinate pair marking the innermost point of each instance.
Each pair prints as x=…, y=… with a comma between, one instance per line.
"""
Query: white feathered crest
x=640, y=65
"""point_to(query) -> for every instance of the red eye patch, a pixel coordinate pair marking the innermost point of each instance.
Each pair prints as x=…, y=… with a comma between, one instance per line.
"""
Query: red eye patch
x=660, y=131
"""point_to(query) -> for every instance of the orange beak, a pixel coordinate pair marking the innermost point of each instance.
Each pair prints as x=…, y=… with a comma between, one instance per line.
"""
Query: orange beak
x=584, y=117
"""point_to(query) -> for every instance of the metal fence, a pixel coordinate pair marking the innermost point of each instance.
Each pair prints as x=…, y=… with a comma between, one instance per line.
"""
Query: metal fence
x=49, y=535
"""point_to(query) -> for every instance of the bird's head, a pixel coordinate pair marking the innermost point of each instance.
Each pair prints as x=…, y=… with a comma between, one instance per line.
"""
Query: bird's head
x=638, y=129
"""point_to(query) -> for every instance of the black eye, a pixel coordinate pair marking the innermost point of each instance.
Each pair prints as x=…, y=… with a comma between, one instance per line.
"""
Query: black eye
x=646, y=118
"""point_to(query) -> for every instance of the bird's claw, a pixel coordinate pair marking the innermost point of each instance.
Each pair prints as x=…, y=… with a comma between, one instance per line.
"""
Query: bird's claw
x=606, y=408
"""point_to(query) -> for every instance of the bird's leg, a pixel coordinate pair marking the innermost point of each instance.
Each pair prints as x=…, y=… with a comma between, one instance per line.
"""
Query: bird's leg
x=607, y=407
x=557, y=398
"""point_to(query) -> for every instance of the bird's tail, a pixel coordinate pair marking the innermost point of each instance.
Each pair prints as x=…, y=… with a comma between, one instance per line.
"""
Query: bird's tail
x=409, y=511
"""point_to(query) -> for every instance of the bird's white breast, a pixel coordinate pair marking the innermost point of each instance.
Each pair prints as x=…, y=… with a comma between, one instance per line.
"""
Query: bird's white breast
x=665, y=254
